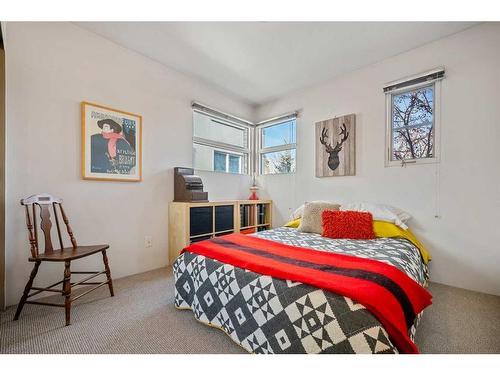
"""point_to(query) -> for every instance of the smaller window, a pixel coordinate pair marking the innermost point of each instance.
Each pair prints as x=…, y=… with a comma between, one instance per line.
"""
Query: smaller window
x=229, y=163
x=411, y=123
x=277, y=151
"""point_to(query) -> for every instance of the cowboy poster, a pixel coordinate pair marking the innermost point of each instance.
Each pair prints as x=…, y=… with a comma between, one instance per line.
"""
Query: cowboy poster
x=111, y=144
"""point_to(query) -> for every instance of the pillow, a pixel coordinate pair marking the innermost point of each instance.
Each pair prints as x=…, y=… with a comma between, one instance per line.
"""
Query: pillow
x=381, y=212
x=293, y=224
x=385, y=229
x=297, y=214
x=311, y=219
x=348, y=224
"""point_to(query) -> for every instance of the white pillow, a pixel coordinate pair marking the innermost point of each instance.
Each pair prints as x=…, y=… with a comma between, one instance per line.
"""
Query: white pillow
x=297, y=214
x=382, y=212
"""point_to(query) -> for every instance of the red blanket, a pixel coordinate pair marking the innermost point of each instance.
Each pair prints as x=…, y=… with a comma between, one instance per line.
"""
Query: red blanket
x=388, y=293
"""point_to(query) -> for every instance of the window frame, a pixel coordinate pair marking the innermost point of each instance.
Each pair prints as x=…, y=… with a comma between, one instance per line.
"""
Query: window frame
x=245, y=152
x=436, y=125
x=260, y=150
x=228, y=154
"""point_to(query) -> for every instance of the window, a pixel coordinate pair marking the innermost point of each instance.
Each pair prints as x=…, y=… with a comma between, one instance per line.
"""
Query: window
x=229, y=163
x=277, y=147
x=412, y=123
x=219, y=144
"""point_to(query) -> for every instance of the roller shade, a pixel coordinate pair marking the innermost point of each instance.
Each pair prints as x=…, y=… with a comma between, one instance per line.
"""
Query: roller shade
x=427, y=77
x=222, y=115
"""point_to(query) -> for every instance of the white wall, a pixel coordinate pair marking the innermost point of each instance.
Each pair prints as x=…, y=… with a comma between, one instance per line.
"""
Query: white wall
x=465, y=240
x=51, y=67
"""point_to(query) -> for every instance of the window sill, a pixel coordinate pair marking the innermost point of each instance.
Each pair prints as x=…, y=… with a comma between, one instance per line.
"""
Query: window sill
x=220, y=172
x=411, y=162
x=276, y=174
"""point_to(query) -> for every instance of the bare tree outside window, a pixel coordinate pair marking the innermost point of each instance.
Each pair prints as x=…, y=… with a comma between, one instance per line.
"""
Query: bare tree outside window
x=413, y=124
x=279, y=162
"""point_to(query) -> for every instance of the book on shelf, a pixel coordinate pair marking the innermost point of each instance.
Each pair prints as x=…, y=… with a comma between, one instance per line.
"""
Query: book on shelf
x=261, y=214
x=246, y=215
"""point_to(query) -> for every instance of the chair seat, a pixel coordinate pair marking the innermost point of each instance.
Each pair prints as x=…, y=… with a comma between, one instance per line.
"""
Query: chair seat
x=69, y=253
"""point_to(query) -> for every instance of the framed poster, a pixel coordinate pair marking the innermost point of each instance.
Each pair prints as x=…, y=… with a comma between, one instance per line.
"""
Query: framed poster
x=336, y=146
x=111, y=144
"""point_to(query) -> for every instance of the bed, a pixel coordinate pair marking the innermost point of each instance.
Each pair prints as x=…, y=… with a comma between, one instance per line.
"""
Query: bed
x=265, y=314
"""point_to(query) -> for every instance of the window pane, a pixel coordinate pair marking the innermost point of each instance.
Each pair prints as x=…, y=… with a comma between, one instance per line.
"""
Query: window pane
x=279, y=134
x=234, y=164
x=203, y=157
x=278, y=162
x=219, y=161
x=216, y=130
x=420, y=145
x=413, y=124
x=208, y=158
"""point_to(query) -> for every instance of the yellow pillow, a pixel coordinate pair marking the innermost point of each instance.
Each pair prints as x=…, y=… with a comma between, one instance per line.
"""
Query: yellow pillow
x=293, y=224
x=385, y=229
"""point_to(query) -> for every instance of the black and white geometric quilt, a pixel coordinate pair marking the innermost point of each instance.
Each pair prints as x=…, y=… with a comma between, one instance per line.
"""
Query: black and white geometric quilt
x=264, y=314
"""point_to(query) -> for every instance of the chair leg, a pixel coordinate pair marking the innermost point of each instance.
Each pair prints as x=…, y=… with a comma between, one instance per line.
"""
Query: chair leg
x=27, y=289
x=108, y=273
x=67, y=291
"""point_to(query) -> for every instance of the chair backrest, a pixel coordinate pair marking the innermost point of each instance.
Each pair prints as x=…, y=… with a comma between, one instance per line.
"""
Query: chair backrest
x=42, y=203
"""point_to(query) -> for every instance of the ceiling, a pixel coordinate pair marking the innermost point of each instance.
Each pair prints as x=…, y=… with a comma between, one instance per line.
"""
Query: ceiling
x=261, y=61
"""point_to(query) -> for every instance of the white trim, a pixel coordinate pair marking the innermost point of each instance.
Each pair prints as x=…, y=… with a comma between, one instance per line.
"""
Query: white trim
x=436, y=128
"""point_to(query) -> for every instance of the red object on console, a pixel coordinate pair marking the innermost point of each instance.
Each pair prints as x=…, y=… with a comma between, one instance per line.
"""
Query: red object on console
x=348, y=224
x=253, y=196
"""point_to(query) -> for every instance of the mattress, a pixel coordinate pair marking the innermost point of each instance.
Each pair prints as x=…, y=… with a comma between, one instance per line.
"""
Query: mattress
x=264, y=314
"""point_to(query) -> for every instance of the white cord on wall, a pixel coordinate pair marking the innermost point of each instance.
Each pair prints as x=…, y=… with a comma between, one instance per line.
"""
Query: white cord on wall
x=437, y=198
x=437, y=208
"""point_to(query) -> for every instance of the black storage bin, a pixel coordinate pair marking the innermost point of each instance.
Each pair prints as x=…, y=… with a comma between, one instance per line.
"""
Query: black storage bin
x=200, y=220
x=224, y=218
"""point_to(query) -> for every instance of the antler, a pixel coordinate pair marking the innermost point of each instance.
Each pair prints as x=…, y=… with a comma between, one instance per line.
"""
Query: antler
x=323, y=140
x=343, y=137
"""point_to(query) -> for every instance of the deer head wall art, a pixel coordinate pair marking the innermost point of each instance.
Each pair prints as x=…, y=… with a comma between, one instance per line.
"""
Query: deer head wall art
x=335, y=146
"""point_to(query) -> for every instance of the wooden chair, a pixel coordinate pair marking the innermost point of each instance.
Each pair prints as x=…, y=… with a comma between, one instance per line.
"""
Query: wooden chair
x=42, y=203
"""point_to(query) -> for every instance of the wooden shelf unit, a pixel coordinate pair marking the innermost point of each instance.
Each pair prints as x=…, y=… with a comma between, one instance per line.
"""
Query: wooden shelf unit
x=189, y=222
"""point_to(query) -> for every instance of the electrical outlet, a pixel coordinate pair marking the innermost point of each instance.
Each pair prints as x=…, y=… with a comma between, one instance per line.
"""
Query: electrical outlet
x=148, y=241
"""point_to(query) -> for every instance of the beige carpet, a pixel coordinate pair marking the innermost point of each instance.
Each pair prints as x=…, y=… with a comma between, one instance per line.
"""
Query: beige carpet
x=141, y=319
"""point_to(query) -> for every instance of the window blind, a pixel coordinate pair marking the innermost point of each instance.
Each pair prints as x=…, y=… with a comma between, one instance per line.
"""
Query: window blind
x=427, y=77
x=281, y=118
x=222, y=115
